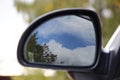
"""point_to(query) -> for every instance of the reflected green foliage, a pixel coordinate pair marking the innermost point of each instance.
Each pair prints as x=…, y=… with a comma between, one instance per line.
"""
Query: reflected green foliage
x=38, y=53
x=108, y=10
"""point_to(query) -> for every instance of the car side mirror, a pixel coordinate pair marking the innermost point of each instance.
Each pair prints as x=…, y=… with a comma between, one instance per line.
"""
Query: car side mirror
x=68, y=39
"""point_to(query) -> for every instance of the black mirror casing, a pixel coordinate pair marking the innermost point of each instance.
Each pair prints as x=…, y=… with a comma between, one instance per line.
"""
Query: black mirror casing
x=97, y=27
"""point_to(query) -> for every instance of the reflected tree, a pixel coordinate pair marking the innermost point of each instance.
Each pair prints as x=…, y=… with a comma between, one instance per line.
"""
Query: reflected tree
x=38, y=53
x=47, y=55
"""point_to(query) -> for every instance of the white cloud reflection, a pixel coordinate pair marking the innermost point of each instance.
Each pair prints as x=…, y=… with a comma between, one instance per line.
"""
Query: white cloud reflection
x=78, y=57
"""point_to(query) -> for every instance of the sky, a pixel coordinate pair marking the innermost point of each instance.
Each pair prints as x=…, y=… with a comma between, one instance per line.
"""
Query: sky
x=71, y=31
x=12, y=26
x=69, y=37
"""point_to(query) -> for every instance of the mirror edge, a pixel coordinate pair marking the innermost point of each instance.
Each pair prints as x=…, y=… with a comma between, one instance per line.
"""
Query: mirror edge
x=41, y=19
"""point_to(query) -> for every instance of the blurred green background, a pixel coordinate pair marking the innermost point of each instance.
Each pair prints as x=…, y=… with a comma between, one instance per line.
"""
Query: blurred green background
x=108, y=11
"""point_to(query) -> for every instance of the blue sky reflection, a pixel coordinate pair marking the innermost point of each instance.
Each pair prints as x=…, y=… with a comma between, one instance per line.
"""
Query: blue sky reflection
x=70, y=31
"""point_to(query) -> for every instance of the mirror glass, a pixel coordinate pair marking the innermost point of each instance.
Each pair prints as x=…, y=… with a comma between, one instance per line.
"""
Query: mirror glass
x=67, y=40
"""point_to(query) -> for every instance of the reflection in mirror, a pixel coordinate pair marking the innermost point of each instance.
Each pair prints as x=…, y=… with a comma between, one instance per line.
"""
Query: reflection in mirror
x=65, y=40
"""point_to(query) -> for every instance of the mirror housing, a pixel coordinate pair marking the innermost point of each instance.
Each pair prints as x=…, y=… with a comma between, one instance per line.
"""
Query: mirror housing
x=85, y=14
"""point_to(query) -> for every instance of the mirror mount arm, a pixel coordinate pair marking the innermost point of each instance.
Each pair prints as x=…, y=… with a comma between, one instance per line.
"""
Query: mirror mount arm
x=113, y=49
x=86, y=76
x=100, y=72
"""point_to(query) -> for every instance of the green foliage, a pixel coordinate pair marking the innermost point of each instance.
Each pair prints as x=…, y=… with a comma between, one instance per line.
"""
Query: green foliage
x=38, y=53
x=38, y=7
x=59, y=76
